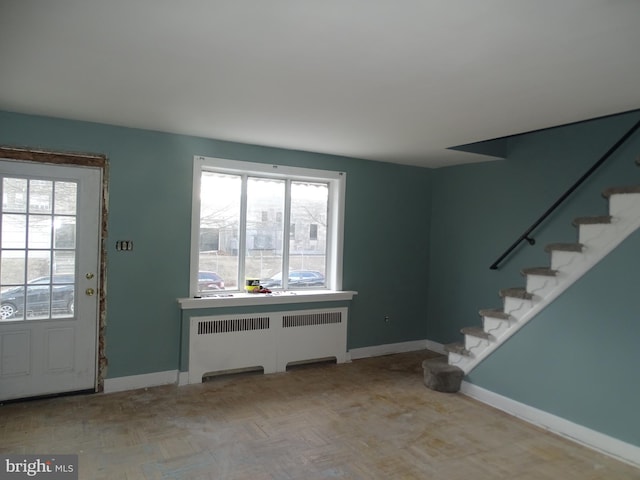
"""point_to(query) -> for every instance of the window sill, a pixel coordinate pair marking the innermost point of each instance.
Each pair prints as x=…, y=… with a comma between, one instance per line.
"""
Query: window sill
x=222, y=300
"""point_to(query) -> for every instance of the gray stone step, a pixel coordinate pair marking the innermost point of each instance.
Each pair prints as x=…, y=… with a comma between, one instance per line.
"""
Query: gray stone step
x=564, y=247
x=516, y=292
x=440, y=376
x=615, y=190
x=591, y=220
x=475, y=332
x=494, y=313
x=543, y=271
x=457, y=348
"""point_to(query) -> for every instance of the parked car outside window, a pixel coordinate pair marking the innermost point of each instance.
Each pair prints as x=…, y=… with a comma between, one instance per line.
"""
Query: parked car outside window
x=297, y=279
x=209, y=281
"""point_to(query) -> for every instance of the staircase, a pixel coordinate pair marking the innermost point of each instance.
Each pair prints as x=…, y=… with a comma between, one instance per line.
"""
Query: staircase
x=597, y=236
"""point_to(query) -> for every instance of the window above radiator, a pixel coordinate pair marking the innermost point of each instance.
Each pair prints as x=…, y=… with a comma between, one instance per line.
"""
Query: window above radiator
x=256, y=224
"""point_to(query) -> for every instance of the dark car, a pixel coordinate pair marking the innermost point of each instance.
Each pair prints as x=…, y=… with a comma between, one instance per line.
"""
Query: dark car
x=297, y=279
x=209, y=281
x=42, y=294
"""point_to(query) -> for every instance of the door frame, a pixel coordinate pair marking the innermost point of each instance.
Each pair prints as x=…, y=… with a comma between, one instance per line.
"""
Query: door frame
x=81, y=160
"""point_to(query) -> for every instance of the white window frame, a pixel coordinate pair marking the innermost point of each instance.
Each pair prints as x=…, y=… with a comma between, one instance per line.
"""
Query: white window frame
x=335, y=214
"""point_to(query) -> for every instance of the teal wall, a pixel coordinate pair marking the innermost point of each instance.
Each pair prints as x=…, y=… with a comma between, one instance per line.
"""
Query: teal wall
x=578, y=359
x=150, y=174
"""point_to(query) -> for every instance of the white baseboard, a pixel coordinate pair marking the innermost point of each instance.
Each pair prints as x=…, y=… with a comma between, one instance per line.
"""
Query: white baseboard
x=436, y=347
x=183, y=378
x=589, y=438
x=389, y=349
x=120, y=384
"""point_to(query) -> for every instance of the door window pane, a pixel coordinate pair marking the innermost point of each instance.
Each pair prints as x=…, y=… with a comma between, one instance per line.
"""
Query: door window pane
x=64, y=262
x=38, y=264
x=38, y=301
x=65, y=195
x=64, y=232
x=14, y=231
x=39, y=231
x=40, y=196
x=14, y=195
x=12, y=267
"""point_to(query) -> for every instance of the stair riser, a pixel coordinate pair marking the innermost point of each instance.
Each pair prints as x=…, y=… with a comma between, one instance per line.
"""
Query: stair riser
x=495, y=326
x=561, y=260
x=597, y=235
x=624, y=205
x=516, y=307
x=475, y=345
x=457, y=360
x=541, y=285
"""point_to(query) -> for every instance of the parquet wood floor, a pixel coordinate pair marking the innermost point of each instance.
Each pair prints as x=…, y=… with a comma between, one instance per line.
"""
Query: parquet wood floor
x=370, y=419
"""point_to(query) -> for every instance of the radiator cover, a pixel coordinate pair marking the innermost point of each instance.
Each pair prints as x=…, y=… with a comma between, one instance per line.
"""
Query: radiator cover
x=270, y=340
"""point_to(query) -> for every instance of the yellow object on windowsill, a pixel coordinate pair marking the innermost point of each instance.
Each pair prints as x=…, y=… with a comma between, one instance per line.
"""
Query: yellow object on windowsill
x=252, y=285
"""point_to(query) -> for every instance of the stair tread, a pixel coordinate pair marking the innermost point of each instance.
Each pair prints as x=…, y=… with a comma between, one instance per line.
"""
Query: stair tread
x=591, y=220
x=564, y=247
x=456, y=348
x=544, y=271
x=494, y=313
x=516, y=292
x=475, y=332
x=624, y=189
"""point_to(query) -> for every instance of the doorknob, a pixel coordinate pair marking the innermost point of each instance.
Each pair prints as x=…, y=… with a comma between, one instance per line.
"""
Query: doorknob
x=89, y=292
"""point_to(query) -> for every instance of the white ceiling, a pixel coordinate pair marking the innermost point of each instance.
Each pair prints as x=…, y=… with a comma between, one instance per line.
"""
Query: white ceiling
x=391, y=80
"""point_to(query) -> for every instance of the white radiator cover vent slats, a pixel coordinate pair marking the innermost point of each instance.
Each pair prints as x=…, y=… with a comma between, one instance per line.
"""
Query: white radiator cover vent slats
x=307, y=319
x=208, y=327
x=225, y=343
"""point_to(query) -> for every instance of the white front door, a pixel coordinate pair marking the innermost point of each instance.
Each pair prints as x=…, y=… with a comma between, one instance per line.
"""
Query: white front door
x=49, y=278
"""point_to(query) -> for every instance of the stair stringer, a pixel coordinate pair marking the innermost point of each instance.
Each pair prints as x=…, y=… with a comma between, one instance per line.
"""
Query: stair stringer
x=598, y=240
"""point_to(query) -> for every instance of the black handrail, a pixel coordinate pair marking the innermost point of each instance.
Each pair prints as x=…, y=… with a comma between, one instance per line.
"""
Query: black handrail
x=563, y=197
